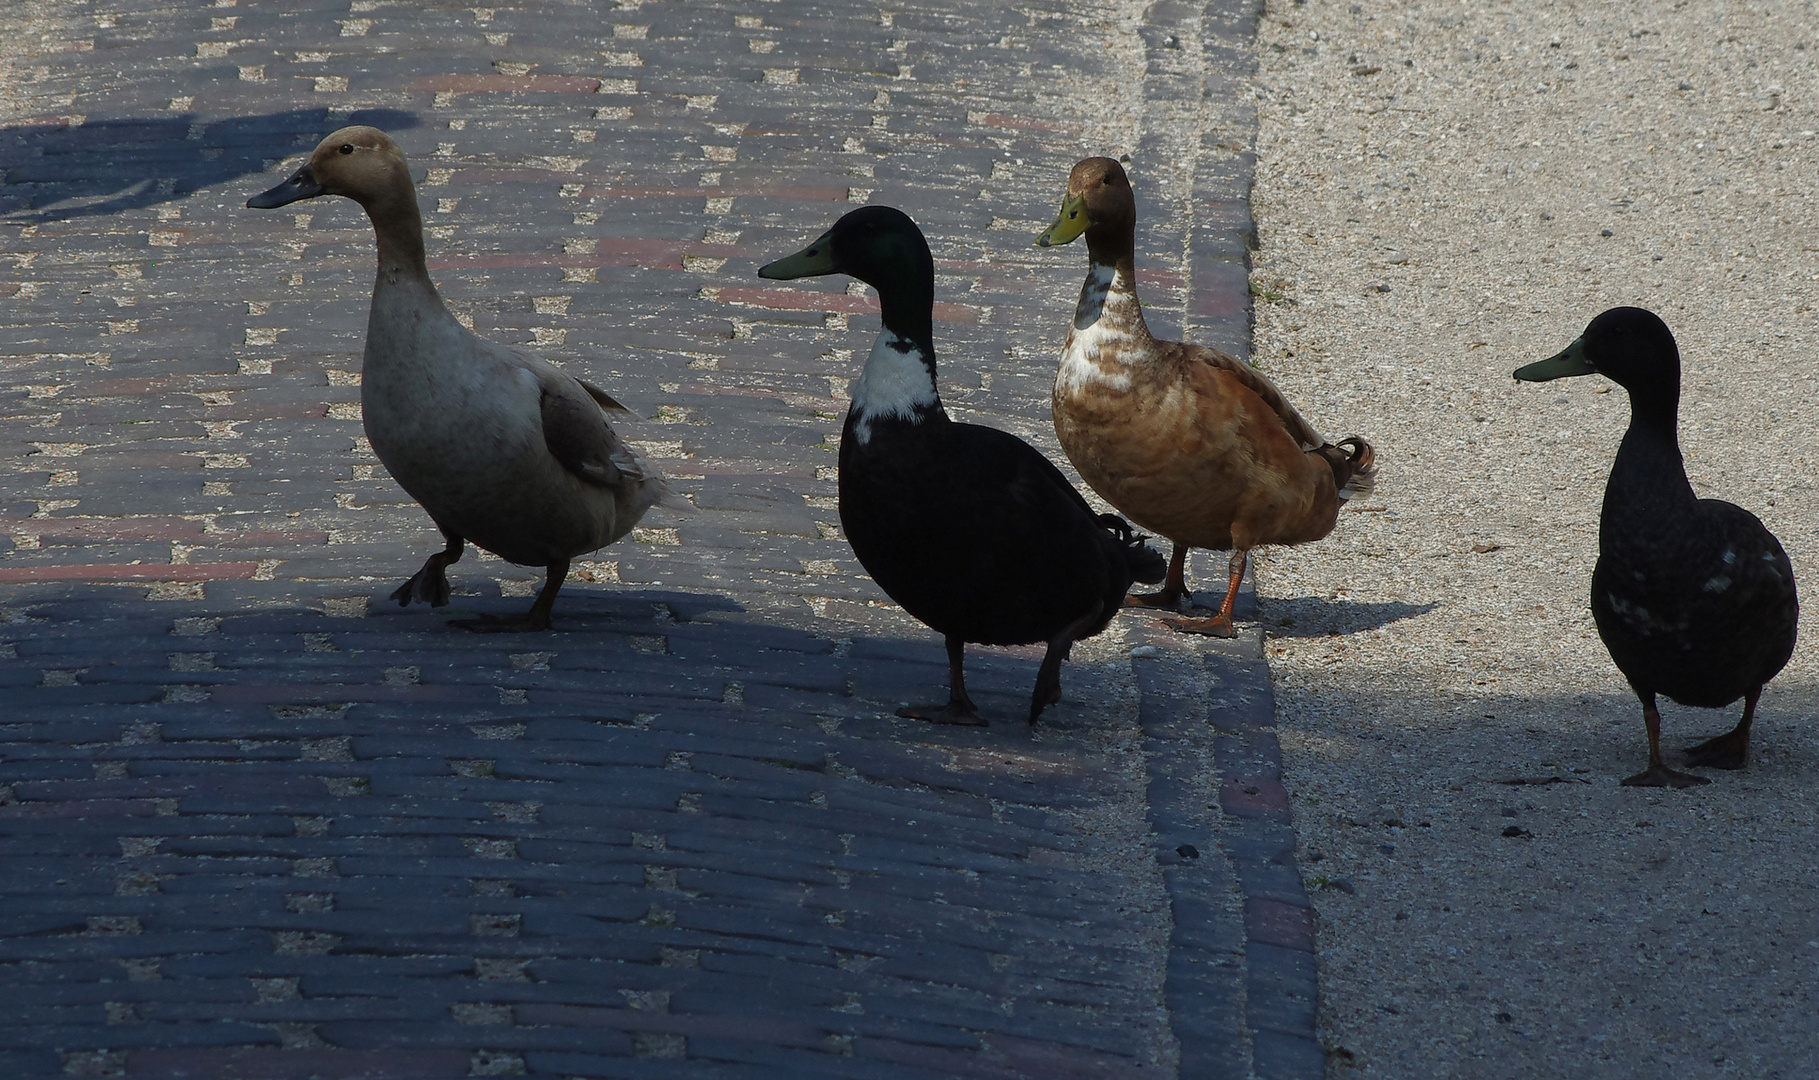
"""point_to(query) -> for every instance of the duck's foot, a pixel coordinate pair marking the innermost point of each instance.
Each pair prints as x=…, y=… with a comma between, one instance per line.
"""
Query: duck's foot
x=537, y=618
x=1163, y=600
x=503, y=624
x=1048, y=677
x=430, y=584
x=1173, y=596
x=1662, y=776
x=1219, y=626
x=1731, y=749
x=1727, y=751
x=960, y=713
x=959, y=709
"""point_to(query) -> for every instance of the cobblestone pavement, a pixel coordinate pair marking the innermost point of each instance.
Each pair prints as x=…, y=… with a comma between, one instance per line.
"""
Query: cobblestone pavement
x=258, y=822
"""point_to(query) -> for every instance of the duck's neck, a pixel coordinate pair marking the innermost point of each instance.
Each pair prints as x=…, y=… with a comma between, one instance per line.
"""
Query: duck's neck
x=898, y=383
x=1648, y=486
x=406, y=306
x=398, y=226
x=1110, y=290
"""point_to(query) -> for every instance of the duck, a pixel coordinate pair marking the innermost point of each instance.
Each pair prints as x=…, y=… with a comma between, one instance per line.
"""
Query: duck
x=1694, y=598
x=972, y=530
x=503, y=449
x=1186, y=441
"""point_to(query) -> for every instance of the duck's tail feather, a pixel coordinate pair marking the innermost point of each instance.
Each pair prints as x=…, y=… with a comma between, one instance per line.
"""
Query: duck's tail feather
x=1354, y=466
x=1146, y=564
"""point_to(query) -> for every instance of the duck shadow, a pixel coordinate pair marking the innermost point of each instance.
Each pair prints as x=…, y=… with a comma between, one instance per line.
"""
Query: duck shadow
x=1520, y=744
x=57, y=172
x=1313, y=616
x=612, y=652
x=873, y=669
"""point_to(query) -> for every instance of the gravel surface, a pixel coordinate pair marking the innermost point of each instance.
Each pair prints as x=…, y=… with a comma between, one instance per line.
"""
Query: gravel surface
x=1444, y=193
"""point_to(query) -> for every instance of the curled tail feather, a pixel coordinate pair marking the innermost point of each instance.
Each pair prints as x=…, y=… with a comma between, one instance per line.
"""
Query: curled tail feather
x=1144, y=562
x=1354, y=466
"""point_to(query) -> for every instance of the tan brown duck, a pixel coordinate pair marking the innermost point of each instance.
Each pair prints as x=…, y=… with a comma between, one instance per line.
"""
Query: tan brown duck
x=502, y=448
x=1185, y=440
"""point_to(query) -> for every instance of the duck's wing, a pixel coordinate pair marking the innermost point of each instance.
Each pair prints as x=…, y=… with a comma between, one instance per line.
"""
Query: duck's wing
x=576, y=432
x=1257, y=382
x=605, y=399
x=1752, y=566
x=1038, y=480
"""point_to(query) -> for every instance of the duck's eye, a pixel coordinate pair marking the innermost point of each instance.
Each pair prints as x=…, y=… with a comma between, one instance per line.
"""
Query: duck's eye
x=347, y=148
x=1072, y=214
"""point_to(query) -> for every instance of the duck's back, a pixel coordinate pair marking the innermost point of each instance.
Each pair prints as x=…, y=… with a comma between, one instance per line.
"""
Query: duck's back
x=1701, y=608
x=975, y=533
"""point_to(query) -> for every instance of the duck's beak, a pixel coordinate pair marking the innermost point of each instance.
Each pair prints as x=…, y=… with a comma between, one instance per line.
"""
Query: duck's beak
x=1068, y=226
x=817, y=258
x=1571, y=361
x=301, y=185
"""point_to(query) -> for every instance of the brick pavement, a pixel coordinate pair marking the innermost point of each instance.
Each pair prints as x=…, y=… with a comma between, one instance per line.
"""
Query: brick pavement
x=260, y=823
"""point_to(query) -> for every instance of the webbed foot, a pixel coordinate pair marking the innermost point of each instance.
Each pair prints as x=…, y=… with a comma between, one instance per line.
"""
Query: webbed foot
x=429, y=585
x=1727, y=751
x=1662, y=776
x=1173, y=596
x=960, y=713
x=1163, y=599
x=1731, y=749
x=1219, y=626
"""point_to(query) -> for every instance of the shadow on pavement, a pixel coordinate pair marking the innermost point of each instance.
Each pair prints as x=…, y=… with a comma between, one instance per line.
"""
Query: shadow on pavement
x=55, y=172
x=672, y=795
x=1314, y=616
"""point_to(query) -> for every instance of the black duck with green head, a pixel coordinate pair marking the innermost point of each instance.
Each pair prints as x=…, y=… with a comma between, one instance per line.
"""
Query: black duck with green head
x=1694, y=597
x=970, y=528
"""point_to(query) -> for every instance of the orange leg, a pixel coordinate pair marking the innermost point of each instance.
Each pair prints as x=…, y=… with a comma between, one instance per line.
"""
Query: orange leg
x=1730, y=750
x=1658, y=774
x=1173, y=595
x=1219, y=625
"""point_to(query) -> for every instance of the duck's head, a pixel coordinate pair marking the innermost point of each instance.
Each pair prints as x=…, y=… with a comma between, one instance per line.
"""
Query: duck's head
x=1630, y=346
x=879, y=245
x=362, y=163
x=1098, y=202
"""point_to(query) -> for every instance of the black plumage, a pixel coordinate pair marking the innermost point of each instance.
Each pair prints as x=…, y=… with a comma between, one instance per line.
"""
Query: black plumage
x=1695, y=598
x=970, y=528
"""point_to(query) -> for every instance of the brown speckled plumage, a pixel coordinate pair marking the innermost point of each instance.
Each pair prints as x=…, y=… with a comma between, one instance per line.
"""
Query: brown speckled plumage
x=1185, y=440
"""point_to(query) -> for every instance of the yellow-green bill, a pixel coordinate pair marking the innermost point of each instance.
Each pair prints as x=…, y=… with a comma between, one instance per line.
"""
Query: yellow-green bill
x=1068, y=225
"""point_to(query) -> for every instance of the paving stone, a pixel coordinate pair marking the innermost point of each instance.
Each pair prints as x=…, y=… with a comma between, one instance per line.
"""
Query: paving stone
x=228, y=757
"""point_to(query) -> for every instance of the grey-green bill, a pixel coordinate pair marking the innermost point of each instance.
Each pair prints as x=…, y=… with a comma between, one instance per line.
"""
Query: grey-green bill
x=1570, y=361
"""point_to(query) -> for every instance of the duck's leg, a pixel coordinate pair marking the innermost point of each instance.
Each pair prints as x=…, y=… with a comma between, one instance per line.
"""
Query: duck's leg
x=1048, y=677
x=430, y=584
x=1173, y=595
x=1658, y=774
x=537, y=618
x=1219, y=625
x=1730, y=750
x=959, y=708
